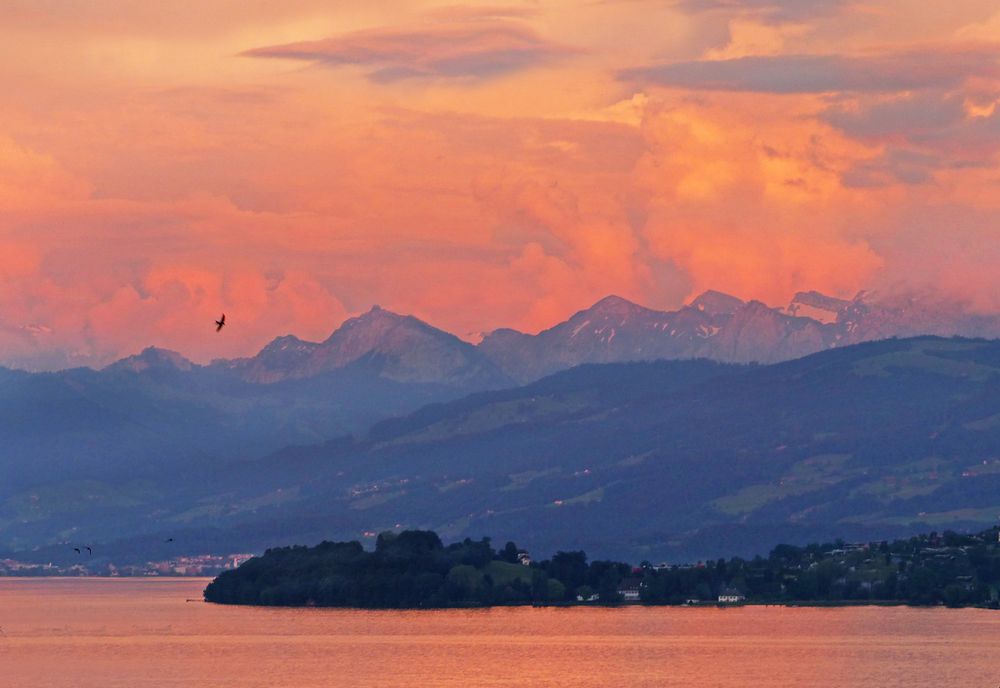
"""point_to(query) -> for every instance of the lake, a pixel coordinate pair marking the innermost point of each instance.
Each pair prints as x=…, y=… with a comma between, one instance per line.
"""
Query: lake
x=130, y=633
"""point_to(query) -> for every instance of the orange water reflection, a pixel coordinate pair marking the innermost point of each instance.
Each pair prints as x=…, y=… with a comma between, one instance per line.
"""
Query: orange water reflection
x=132, y=633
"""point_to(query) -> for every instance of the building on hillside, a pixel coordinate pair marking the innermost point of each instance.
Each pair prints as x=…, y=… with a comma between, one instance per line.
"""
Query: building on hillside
x=524, y=558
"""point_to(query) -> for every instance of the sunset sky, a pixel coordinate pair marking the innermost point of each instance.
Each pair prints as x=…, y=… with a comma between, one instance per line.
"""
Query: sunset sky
x=478, y=165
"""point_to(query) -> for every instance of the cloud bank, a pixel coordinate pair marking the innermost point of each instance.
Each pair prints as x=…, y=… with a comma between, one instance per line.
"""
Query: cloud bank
x=479, y=166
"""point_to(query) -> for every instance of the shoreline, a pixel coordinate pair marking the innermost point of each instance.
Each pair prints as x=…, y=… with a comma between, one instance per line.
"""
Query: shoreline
x=109, y=578
x=815, y=604
x=621, y=605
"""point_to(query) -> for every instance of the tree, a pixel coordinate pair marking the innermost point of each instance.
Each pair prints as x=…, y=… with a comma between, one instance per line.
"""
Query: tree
x=954, y=595
x=464, y=582
x=568, y=567
x=508, y=553
x=608, y=593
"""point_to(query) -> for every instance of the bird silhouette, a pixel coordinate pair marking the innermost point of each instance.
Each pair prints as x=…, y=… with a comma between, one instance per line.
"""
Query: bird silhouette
x=90, y=551
x=77, y=550
x=169, y=540
x=220, y=323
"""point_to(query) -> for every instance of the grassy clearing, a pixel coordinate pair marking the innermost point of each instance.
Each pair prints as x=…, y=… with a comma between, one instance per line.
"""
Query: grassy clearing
x=921, y=357
x=814, y=473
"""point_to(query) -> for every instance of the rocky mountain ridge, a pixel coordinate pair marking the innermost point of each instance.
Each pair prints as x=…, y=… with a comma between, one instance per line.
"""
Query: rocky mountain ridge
x=714, y=325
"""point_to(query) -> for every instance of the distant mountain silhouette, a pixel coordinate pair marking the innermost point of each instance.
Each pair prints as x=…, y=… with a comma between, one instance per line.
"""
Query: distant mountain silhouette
x=274, y=362
x=157, y=414
x=152, y=359
x=395, y=347
x=721, y=327
x=612, y=330
x=714, y=325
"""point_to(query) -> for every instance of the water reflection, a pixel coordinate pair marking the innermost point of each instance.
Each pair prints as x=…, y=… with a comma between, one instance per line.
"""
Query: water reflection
x=110, y=633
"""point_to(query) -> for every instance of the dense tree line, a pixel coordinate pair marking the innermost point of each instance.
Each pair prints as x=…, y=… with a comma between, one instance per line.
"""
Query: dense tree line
x=413, y=569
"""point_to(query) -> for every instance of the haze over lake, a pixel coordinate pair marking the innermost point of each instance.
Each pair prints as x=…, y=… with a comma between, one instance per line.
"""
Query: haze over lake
x=110, y=633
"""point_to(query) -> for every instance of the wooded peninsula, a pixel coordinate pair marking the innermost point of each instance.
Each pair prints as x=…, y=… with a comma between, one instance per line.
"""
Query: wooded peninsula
x=414, y=569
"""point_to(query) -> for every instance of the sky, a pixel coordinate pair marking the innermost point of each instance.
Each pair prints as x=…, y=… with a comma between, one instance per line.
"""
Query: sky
x=478, y=165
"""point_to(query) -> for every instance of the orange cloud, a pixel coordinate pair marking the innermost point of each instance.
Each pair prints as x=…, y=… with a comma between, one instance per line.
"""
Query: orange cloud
x=751, y=208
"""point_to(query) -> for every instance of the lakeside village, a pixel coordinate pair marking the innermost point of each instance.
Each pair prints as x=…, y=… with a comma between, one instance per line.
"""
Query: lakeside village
x=200, y=565
x=948, y=568
x=856, y=571
x=414, y=569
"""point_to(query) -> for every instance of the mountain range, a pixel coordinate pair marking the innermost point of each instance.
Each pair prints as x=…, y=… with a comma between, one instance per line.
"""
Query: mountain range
x=396, y=347
x=314, y=439
x=714, y=325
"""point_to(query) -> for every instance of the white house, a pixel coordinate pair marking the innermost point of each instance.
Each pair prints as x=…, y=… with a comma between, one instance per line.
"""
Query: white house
x=629, y=589
x=731, y=596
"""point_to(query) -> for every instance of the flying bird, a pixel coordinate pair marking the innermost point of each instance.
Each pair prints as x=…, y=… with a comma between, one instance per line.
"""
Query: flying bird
x=77, y=550
x=220, y=323
x=89, y=550
x=169, y=540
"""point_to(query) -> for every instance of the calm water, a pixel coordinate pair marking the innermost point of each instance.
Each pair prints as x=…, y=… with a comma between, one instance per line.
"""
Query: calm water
x=132, y=633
